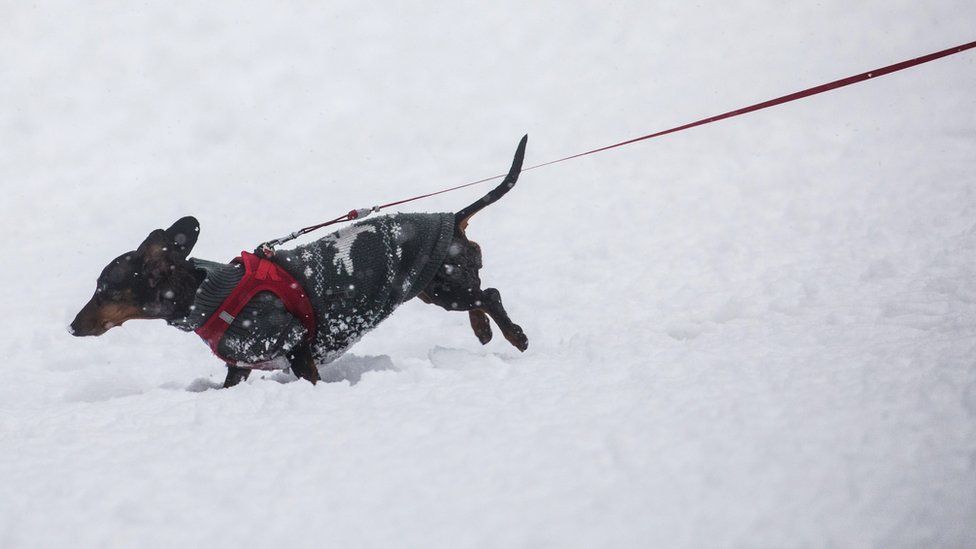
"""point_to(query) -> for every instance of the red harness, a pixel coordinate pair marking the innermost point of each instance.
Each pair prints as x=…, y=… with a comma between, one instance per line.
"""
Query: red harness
x=260, y=275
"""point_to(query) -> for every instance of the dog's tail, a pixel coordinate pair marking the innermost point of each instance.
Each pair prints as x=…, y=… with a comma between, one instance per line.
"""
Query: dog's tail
x=461, y=218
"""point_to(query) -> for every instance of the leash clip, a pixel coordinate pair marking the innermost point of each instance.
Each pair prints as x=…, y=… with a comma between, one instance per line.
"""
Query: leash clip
x=361, y=212
x=267, y=248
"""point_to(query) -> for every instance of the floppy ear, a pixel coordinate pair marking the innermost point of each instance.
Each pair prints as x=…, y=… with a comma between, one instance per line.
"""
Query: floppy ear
x=182, y=236
x=157, y=257
x=161, y=250
x=154, y=244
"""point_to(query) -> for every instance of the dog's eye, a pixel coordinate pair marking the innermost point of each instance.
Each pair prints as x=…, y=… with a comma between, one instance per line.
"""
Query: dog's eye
x=114, y=295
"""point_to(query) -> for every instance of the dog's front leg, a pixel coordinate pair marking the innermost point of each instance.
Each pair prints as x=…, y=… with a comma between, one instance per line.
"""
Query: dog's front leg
x=235, y=375
x=302, y=364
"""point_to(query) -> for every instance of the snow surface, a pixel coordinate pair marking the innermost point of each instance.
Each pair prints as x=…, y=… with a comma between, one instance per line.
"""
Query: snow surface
x=755, y=333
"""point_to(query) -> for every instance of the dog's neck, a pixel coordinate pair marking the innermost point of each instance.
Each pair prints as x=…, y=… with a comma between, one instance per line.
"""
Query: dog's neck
x=182, y=285
x=196, y=301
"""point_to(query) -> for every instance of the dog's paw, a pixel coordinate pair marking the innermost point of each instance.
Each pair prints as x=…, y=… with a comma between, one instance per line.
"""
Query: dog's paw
x=517, y=337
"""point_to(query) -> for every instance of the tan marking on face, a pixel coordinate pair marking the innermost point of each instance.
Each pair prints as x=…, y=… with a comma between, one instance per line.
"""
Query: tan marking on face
x=114, y=314
x=95, y=319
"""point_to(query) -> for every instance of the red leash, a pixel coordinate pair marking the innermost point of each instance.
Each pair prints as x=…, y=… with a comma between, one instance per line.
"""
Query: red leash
x=268, y=247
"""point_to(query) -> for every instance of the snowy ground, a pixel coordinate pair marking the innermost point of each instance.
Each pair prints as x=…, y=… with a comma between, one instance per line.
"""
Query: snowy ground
x=756, y=333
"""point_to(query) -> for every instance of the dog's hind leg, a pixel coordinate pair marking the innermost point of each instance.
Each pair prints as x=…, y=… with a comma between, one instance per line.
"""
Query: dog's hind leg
x=457, y=287
x=491, y=303
x=235, y=375
x=480, y=325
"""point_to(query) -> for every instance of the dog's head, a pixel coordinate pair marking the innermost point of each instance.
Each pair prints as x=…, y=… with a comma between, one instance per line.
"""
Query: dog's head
x=154, y=281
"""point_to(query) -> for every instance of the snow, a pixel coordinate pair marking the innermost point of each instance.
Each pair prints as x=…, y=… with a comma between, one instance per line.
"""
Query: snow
x=755, y=333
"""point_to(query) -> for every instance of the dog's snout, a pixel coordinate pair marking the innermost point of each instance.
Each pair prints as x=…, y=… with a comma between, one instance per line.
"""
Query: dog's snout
x=85, y=322
x=80, y=328
x=95, y=319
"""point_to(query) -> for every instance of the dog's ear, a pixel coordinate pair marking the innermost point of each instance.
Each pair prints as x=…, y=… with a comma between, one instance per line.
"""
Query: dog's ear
x=162, y=250
x=154, y=244
x=156, y=257
x=182, y=235
x=177, y=240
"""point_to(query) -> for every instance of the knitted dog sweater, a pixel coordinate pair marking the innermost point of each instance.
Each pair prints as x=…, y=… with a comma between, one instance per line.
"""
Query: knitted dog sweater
x=354, y=278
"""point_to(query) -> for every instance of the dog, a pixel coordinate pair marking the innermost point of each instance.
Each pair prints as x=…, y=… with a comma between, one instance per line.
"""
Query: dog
x=307, y=305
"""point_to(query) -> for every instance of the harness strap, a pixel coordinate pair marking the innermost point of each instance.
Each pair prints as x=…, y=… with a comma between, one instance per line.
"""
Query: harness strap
x=260, y=275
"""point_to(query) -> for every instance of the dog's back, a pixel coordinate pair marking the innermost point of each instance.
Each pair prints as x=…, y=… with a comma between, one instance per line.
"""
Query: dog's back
x=357, y=276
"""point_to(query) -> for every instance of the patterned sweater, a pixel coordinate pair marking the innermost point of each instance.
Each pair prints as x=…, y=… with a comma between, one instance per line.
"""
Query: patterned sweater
x=354, y=277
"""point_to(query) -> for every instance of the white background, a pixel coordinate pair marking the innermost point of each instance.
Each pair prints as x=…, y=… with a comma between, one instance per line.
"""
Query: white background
x=755, y=333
